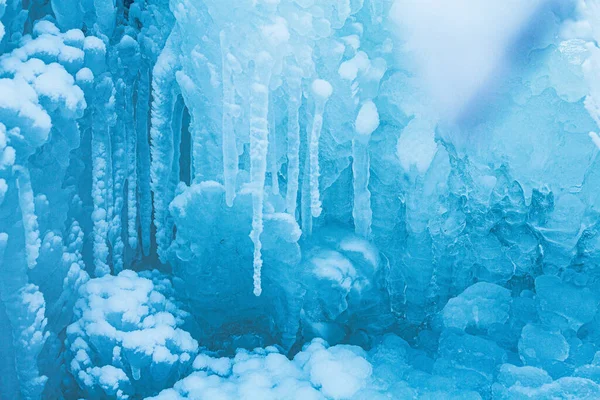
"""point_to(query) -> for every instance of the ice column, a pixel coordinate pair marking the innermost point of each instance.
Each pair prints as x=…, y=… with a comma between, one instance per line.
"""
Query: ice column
x=100, y=174
x=294, y=82
x=366, y=123
x=163, y=86
x=230, y=109
x=322, y=90
x=143, y=163
x=259, y=143
x=30, y=225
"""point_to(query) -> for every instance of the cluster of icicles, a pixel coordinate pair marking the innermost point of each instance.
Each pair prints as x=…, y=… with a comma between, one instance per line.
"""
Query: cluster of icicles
x=275, y=50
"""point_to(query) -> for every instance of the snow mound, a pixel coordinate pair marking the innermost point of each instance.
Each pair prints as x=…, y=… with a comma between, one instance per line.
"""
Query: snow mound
x=127, y=338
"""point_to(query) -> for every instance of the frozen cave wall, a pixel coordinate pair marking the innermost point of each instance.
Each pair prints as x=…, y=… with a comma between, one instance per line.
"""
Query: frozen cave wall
x=299, y=199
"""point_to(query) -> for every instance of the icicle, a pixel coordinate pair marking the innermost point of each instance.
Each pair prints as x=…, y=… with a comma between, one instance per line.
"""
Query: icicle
x=230, y=154
x=305, y=209
x=119, y=147
x=199, y=135
x=293, y=150
x=322, y=91
x=191, y=149
x=143, y=166
x=30, y=224
x=259, y=142
x=161, y=133
x=176, y=124
x=366, y=123
x=140, y=124
x=132, y=185
x=99, y=214
x=100, y=162
x=3, y=242
x=361, y=211
x=272, y=151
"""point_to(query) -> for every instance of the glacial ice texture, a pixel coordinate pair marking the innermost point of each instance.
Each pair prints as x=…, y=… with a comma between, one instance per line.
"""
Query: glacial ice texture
x=299, y=199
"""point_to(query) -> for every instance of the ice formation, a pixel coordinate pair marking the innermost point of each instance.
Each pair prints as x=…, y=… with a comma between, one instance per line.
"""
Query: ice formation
x=299, y=199
x=127, y=340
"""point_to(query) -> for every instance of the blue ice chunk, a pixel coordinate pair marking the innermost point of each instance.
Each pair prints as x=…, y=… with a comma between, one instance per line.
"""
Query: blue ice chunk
x=479, y=306
x=543, y=347
x=564, y=304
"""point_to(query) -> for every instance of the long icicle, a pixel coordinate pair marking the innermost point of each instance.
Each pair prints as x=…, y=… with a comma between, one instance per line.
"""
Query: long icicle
x=143, y=165
x=230, y=154
x=367, y=121
x=272, y=151
x=322, y=90
x=361, y=211
x=100, y=171
x=305, y=212
x=259, y=143
x=163, y=81
x=119, y=158
x=293, y=150
x=30, y=223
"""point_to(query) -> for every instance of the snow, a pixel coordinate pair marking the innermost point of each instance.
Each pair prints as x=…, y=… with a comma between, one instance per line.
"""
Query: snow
x=317, y=372
x=132, y=319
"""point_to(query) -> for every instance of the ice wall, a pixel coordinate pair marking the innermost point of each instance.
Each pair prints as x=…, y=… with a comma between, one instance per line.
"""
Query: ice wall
x=400, y=196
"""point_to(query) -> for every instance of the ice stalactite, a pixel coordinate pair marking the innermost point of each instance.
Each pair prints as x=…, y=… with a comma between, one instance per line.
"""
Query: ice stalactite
x=124, y=151
x=131, y=159
x=305, y=203
x=259, y=143
x=119, y=167
x=262, y=61
x=361, y=211
x=101, y=175
x=273, y=164
x=322, y=90
x=143, y=161
x=294, y=83
x=30, y=225
x=230, y=110
x=25, y=306
x=162, y=151
x=366, y=123
x=176, y=125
